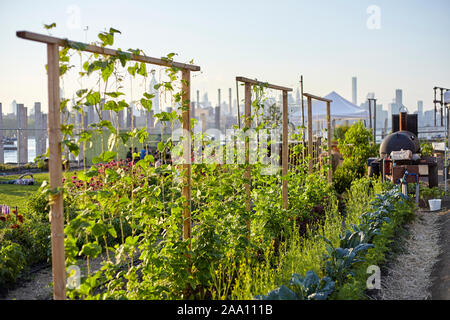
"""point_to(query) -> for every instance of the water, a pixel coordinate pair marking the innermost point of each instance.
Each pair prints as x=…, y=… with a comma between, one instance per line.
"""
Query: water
x=11, y=155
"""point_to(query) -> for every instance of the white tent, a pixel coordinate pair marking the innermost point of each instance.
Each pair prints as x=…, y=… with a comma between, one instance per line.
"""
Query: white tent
x=340, y=109
x=447, y=97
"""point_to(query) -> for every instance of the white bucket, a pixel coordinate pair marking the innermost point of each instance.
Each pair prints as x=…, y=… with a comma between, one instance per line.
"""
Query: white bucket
x=435, y=204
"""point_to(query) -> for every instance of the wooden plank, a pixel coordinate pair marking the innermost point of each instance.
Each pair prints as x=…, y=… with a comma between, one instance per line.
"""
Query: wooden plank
x=106, y=51
x=55, y=171
x=186, y=122
x=330, y=168
x=310, y=134
x=317, y=97
x=260, y=83
x=285, y=160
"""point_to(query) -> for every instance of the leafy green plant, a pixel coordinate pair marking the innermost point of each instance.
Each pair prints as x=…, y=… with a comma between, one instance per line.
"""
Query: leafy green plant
x=340, y=260
x=356, y=148
x=308, y=287
x=12, y=262
x=430, y=193
x=426, y=148
x=339, y=132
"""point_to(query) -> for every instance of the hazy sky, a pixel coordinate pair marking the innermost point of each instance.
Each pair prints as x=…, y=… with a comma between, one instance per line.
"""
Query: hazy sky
x=328, y=41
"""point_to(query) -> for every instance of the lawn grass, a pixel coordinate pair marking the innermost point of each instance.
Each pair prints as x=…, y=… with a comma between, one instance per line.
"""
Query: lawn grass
x=16, y=195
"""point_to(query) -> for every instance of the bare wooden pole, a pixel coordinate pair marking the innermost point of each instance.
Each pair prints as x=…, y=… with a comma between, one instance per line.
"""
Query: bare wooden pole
x=247, y=125
x=186, y=191
x=55, y=171
x=330, y=168
x=285, y=161
x=310, y=142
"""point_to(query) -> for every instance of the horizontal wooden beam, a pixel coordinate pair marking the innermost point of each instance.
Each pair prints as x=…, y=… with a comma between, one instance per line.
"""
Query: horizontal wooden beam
x=100, y=50
x=260, y=83
x=316, y=97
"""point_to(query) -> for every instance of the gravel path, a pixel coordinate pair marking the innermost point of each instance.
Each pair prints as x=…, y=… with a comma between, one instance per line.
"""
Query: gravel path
x=409, y=276
x=441, y=271
x=37, y=286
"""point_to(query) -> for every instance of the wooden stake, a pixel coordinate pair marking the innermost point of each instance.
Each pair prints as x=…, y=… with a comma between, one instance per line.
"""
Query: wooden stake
x=186, y=191
x=55, y=171
x=330, y=169
x=285, y=161
x=310, y=142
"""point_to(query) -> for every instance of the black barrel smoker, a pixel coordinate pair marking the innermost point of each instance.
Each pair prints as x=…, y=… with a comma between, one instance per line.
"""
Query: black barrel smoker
x=400, y=152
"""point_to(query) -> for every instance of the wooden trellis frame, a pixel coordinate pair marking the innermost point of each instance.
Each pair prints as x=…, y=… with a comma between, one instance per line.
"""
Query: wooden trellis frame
x=310, y=134
x=247, y=123
x=54, y=136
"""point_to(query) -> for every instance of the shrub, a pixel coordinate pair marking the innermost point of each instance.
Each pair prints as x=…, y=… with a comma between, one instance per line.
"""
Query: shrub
x=356, y=148
x=339, y=132
x=12, y=261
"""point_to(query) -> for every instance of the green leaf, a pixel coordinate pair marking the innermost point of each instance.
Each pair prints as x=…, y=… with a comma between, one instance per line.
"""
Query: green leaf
x=114, y=94
x=81, y=92
x=142, y=69
x=123, y=57
x=147, y=104
x=106, y=124
x=110, y=105
x=112, y=232
x=99, y=229
x=85, y=136
x=109, y=155
x=112, y=30
x=93, y=98
x=148, y=95
x=107, y=71
x=132, y=70
x=77, y=45
x=91, y=250
x=67, y=129
x=63, y=104
x=50, y=26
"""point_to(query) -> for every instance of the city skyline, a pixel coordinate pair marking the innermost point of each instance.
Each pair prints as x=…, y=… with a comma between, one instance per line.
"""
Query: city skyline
x=275, y=43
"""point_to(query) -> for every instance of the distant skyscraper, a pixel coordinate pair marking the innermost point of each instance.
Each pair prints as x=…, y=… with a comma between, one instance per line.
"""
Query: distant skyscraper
x=399, y=97
x=297, y=97
x=354, y=91
x=14, y=107
x=420, y=111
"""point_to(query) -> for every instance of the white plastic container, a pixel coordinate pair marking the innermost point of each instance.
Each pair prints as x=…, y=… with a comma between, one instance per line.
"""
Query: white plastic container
x=435, y=204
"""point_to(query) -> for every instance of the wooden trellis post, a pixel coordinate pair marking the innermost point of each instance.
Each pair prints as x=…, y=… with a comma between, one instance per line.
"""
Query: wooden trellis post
x=285, y=143
x=310, y=144
x=54, y=132
x=186, y=191
x=55, y=172
x=310, y=134
x=285, y=153
x=330, y=160
x=247, y=125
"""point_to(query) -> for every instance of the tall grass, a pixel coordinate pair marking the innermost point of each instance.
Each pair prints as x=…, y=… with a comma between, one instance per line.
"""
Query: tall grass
x=298, y=254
